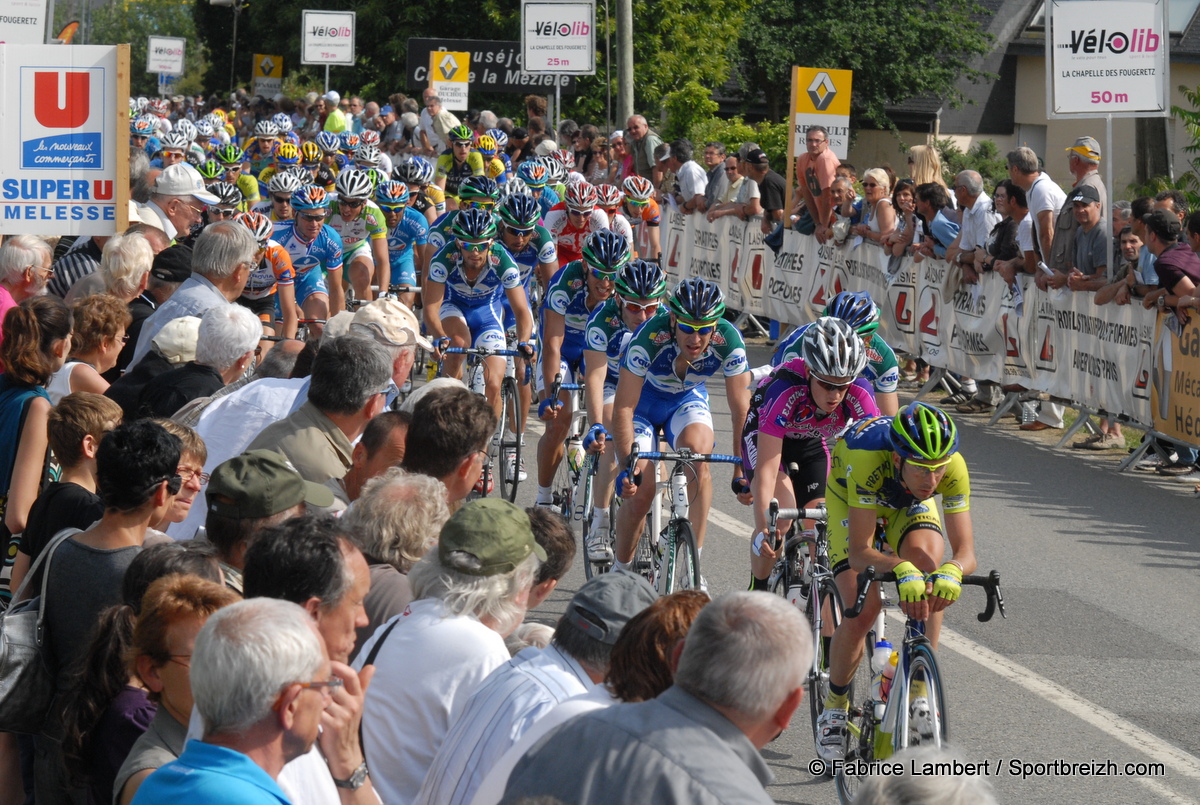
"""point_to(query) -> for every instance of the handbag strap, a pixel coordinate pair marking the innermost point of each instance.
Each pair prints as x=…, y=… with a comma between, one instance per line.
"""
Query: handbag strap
x=379, y=644
x=45, y=556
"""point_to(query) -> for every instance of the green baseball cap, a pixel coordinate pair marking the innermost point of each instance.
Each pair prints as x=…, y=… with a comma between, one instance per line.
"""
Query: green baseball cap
x=260, y=483
x=493, y=531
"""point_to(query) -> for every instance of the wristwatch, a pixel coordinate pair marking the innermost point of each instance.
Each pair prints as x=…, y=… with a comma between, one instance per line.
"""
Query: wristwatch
x=355, y=780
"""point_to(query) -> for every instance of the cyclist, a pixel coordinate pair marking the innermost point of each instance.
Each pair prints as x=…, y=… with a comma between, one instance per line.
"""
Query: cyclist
x=316, y=252
x=887, y=470
x=319, y=173
x=260, y=150
x=331, y=155
x=637, y=295
x=576, y=290
x=556, y=174
x=796, y=416
x=493, y=168
x=501, y=154
x=360, y=224
x=172, y=149
x=232, y=158
x=229, y=202
x=535, y=176
x=141, y=135
x=283, y=121
x=211, y=172
x=858, y=310
x=407, y=237
x=422, y=196
x=461, y=298
x=574, y=220
x=278, y=207
x=477, y=192
x=641, y=209
x=270, y=291
x=286, y=156
x=371, y=137
x=458, y=163
x=608, y=199
x=662, y=388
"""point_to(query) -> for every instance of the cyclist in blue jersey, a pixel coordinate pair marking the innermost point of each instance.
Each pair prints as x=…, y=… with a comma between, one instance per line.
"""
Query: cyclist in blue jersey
x=536, y=176
x=461, y=297
x=407, y=237
x=475, y=192
x=501, y=144
x=662, y=389
x=577, y=289
x=141, y=135
x=316, y=252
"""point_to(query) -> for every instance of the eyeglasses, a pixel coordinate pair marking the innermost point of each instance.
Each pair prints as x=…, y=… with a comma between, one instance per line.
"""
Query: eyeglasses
x=688, y=328
x=580, y=213
x=392, y=208
x=634, y=307
x=870, y=184
x=282, y=199
x=220, y=212
x=638, y=202
x=175, y=658
x=352, y=203
x=462, y=145
x=609, y=276
x=831, y=386
x=731, y=170
x=333, y=682
x=48, y=269
x=313, y=218
x=519, y=233
x=476, y=246
x=187, y=475
x=811, y=141
x=480, y=205
x=197, y=211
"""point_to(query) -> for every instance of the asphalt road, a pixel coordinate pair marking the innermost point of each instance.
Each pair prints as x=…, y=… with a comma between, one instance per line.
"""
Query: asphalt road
x=1097, y=662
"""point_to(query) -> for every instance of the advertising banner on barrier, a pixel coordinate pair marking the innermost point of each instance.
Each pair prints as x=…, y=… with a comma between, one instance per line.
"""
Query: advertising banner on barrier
x=1175, y=381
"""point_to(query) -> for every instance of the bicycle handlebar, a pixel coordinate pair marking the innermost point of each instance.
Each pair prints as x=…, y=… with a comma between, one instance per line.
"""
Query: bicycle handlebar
x=485, y=352
x=684, y=454
x=558, y=386
x=990, y=583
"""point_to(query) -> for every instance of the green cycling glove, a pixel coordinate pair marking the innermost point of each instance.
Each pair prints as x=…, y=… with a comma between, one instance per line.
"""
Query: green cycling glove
x=947, y=581
x=910, y=582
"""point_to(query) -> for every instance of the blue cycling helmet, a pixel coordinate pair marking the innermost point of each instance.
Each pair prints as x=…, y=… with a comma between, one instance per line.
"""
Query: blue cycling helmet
x=533, y=173
x=640, y=279
x=473, y=224
x=697, y=299
x=391, y=194
x=500, y=137
x=520, y=212
x=857, y=309
x=478, y=188
x=921, y=432
x=328, y=142
x=311, y=197
x=606, y=251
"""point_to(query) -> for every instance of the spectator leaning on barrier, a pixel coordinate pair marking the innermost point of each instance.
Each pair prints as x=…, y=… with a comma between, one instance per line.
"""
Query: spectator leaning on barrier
x=815, y=171
x=1045, y=199
x=1089, y=263
x=772, y=189
x=691, y=181
x=1125, y=285
x=1083, y=159
x=941, y=228
x=976, y=222
x=717, y=182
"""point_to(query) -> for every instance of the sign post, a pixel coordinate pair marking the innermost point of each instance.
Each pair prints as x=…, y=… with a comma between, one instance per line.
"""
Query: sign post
x=327, y=37
x=268, y=75
x=819, y=98
x=495, y=66
x=449, y=76
x=558, y=37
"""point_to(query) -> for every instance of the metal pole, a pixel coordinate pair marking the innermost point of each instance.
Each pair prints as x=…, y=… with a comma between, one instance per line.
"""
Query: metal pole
x=624, y=60
x=49, y=32
x=1108, y=186
x=237, y=8
x=557, y=105
x=327, y=78
x=608, y=68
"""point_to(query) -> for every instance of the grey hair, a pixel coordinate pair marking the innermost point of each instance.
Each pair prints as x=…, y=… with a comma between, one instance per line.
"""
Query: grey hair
x=478, y=597
x=346, y=372
x=221, y=248
x=277, y=363
x=245, y=655
x=718, y=145
x=1023, y=159
x=398, y=516
x=935, y=785
x=18, y=253
x=227, y=332
x=820, y=129
x=747, y=651
x=488, y=119
x=971, y=181
x=125, y=263
x=139, y=169
x=682, y=149
x=1125, y=208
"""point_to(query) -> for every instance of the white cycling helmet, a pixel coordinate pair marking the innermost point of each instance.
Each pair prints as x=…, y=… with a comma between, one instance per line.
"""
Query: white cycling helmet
x=830, y=347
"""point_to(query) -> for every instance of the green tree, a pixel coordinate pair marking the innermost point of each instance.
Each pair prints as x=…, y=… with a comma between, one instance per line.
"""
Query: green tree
x=133, y=23
x=898, y=49
x=983, y=157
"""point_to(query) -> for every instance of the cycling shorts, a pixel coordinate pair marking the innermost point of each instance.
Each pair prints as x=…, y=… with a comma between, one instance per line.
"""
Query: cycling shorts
x=485, y=323
x=264, y=307
x=892, y=524
x=309, y=283
x=569, y=370
x=808, y=482
x=668, y=413
x=404, y=273
x=359, y=251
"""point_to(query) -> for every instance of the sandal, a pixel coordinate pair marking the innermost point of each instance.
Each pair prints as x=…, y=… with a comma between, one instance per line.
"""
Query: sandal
x=976, y=407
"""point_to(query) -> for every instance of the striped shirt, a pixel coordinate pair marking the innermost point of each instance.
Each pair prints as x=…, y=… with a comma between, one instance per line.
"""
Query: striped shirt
x=81, y=259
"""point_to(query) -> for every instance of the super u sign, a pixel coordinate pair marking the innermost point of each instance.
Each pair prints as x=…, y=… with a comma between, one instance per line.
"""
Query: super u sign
x=66, y=127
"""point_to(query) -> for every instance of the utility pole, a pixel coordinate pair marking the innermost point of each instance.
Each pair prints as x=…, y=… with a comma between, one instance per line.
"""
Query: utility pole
x=624, y=61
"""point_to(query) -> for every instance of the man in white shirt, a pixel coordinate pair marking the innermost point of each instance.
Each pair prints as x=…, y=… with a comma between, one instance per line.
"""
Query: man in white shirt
x=690, y=179
x=435, y=123
x=978, y=218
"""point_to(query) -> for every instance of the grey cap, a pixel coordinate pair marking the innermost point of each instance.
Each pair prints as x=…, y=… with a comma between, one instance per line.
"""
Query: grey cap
x=605, y=604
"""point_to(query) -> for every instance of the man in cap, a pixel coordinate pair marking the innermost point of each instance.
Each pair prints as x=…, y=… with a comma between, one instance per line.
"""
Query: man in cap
x=528, y=686
x=468, y=595
x=177, y=200
x=1083, y=160
x=335, y=121
x=394, y=326
x=1089, y=263
x=771, y=186
x=247, y=494
x=173, y=345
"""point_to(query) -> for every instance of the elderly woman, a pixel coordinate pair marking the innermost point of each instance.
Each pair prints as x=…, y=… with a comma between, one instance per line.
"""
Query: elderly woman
x=96, y=341
x=878, y=217
x=26, y=265
x=124, y=270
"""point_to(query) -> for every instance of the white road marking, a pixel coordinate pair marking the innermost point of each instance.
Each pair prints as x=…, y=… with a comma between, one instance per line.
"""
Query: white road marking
x=1163, y=793
x=733, y=525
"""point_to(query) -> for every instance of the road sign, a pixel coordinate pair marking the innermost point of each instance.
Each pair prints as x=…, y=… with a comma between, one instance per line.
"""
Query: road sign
x=164, y=54
x=327, y=37
x=821, y=98
x=268, y=75
x=558, y=37
x=450, y=76
x=166, y=84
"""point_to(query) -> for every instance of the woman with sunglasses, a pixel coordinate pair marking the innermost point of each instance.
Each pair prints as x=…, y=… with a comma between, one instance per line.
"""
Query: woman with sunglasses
x=878, y=217
x=639, y=290
x=620, y=162
x=662, y=390
x=796, y=416
x=359, y=222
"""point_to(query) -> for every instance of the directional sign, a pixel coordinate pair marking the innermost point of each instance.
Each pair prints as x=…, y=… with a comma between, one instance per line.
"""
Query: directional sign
x=450, y=75
x=268, y=75
x=164, y=54
x=327, y=37
x=559, y=37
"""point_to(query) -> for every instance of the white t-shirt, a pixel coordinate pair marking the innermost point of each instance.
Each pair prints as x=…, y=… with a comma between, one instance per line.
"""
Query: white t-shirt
x=748, y=191
x=977, y=223
x=691, y=180
x=1044, y=195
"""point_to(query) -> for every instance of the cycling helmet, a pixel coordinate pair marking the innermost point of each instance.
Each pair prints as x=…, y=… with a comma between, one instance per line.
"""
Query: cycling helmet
x=638, y=188
x=367, y=155
x=375, y=175
x=160, y=107
x=473, y=224
x=174, y=142
x=641, y=279
x=565, y=158
x=393, y=194
x=216, y=120
x=287, y=154
x=460, y=134
x=204, y=129
x=310, y=153
x=142, y=102
x=211, y=169
x=300, y=172
x=282, y=121
x=230, y=155
x=514, y=187
x=286, y=183
x=606, y=250
x=141, y=126
x=486, y=145
x=856, y=309
x=347, y=141
x=608, y=196
x=258, y=224
x=534, y=173
x=581, y=197
x=574, y=177
x=228, y=195
x=921, y=432
x=697, y=299
x=555, y=170
x=266, y=130
x=353, y=184
x=368, y=137
x=413, y=171
x=478, y=188
x=185, y=128
x=830, y=347
x=310, y=197
x=328, y=142
x=500, y=137
x=520, y=212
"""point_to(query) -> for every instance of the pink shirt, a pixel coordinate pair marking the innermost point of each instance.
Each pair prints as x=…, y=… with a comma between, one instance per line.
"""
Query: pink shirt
x=7, y=303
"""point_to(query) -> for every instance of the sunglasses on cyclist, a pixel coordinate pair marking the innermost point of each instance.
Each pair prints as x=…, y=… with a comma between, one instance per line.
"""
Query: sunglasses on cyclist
x=282, y=199
x=475, y=246
x=634, y=307
x=831, y=386
x=610, y=276
x=580, y=213
x=696, y=328
x=519, y=233
x=392, y=208
x=636, y=202
x=481, y=205
x=218, y=212
x=312, y=217
x=353, y=203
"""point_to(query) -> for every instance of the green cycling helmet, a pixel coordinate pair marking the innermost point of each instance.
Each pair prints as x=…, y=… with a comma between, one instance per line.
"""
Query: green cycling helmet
x=924, y=433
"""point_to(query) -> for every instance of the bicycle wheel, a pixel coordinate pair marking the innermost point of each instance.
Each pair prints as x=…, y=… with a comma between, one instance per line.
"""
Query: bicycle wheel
x=681, y=561
x=922, y=724
x=645, y=554
x=861, y=749
x=493, y=468
x=827, y=603
x=583, y=511
x=509, y=469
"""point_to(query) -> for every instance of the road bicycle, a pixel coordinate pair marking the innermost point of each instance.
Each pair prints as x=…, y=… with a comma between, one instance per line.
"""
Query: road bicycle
x=896, y=719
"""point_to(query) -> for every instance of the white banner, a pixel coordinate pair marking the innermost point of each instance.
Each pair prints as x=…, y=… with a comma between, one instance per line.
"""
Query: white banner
x=729, y=252
x=23, y=22
x=327, y=37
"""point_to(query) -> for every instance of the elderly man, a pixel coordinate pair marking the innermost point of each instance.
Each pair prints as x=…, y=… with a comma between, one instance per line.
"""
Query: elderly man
x=450, y=444
x=527, y=687
x=739, y=680
x=25, y=268
x=691, y=181
x=642, y=140
x=350, y=380
x=177, y=200
x=1083, y=160
x=470, y=594
x=815, y=170
x=436, y=123
x=975, y=224
x=261, y=680
x=221, y=263
x=335, y=119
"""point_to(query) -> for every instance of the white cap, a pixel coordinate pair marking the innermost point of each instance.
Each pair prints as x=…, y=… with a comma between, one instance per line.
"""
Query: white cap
x=176, y=341
x=332, y=97
x=181, y=179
